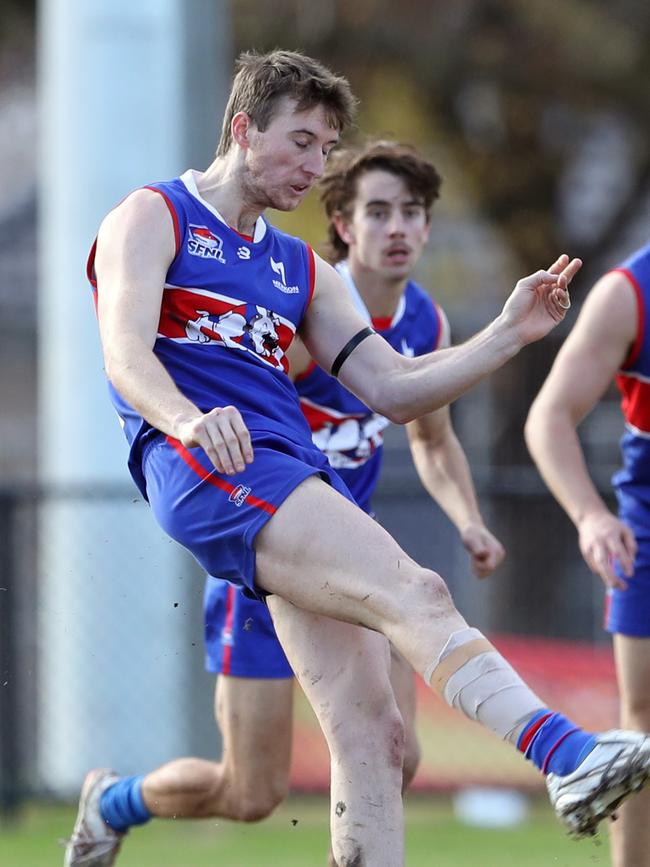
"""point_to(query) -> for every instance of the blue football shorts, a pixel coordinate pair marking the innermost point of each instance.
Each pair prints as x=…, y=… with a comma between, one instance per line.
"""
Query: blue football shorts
x=240, y=638
x=627, y=612
x=217, y=517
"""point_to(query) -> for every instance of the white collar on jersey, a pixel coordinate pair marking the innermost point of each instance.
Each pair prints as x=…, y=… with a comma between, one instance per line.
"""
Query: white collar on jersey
x=189, y=179
x=344, y=270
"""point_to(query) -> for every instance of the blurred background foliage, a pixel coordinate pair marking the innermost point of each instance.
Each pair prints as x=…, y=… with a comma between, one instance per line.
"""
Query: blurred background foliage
x=512, y=88
x=536, y=113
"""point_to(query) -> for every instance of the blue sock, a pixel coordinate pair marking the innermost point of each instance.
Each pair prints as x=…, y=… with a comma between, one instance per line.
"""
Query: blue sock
x=122, y=805
x=554, y=743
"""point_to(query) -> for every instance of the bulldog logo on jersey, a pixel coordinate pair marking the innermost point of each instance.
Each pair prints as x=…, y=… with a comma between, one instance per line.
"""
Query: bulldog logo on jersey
x=229, y=328
x=204, y=243
x=348, y=440
x=263, y=330
x=199, y=316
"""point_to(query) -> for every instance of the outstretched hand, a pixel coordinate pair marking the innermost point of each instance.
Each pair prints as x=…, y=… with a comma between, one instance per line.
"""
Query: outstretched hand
x=539, y=302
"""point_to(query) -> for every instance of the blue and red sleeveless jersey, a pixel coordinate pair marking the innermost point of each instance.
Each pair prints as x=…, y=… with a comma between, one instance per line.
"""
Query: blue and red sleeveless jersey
x=342, y=426
x=230, y=309
x=633, y=380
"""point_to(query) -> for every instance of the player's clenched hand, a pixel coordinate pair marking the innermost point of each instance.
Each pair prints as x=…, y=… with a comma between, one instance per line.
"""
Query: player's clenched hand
x=603, y=540
x=540, y=301
x=223, y=436
x=485, y=550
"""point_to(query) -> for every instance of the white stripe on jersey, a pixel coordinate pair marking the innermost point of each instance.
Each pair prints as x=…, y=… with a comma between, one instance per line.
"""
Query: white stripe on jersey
x=632, y=374
x=344, y=270
x=645, y=435
x=189, y=179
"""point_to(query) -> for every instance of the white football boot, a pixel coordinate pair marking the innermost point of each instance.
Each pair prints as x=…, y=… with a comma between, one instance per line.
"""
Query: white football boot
x=618, y=766
x=93, y=842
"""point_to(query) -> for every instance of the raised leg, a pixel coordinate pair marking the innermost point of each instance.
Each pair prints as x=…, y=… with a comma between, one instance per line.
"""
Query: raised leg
x=351, y=569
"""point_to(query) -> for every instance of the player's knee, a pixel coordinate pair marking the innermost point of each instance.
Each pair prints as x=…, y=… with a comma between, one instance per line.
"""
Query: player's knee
x=412, y=756
x=260, y=801
x=428, y=593
x=371, y=728
x=418, y=593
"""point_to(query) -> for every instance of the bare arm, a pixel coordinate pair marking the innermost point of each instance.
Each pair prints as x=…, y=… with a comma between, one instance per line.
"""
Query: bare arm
x=583, y=369
x=406, y=388
x=135, y=247
x=444, y=471
x=299, y=359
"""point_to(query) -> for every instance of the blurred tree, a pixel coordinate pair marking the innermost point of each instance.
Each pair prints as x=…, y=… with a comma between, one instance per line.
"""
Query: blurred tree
x=543, y=106
x=515, y=85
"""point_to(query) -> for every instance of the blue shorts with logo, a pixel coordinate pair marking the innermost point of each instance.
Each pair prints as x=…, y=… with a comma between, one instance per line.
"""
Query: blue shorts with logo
x=627, y=612
x=217, y=517
x=240, y=639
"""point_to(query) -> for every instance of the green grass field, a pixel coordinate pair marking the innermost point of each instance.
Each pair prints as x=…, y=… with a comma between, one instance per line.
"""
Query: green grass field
x=434, y=837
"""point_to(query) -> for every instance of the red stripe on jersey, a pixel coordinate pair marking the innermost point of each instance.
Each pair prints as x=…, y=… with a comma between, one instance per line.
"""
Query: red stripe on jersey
x=226, y=662
x=248, y=238
x=90, y=265
x=205, y=317
x=179, y=307
x=638, y=343
x=317, y=416
x=382, y=323
x=210, y=477
x=174, y=215
x=312, y=275
x=635, y=401
x=308, y=372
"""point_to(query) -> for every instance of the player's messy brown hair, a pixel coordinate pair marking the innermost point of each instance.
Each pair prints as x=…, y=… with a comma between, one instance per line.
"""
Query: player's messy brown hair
x=338, y=186
x=262, y=79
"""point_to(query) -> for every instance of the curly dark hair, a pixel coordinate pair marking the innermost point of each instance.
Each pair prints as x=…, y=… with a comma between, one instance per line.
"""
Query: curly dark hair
x=262, y=79
x=338, y=186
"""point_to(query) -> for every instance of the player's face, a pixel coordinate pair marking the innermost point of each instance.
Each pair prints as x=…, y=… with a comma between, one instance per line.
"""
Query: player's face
x=285, y=161
x=388, y=226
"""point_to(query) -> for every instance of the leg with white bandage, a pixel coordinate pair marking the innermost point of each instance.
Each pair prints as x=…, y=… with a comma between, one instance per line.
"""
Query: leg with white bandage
x=352, y=570
x=473, y=677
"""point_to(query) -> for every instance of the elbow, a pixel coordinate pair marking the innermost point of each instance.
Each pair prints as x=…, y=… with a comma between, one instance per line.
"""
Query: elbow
x=530, y=427
x=115, y=367
x=394, y=408
x=109, y=366
x=112, y=366
x=390, y=395
x=399, y=414
x=540, y=424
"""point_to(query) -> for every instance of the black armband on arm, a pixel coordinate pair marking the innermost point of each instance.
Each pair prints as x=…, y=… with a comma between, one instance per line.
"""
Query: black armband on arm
x=349, y=348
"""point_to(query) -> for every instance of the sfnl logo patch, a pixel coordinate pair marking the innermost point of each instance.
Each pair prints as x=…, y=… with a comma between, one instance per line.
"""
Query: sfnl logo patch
x=204, y=243
x=239, y=494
